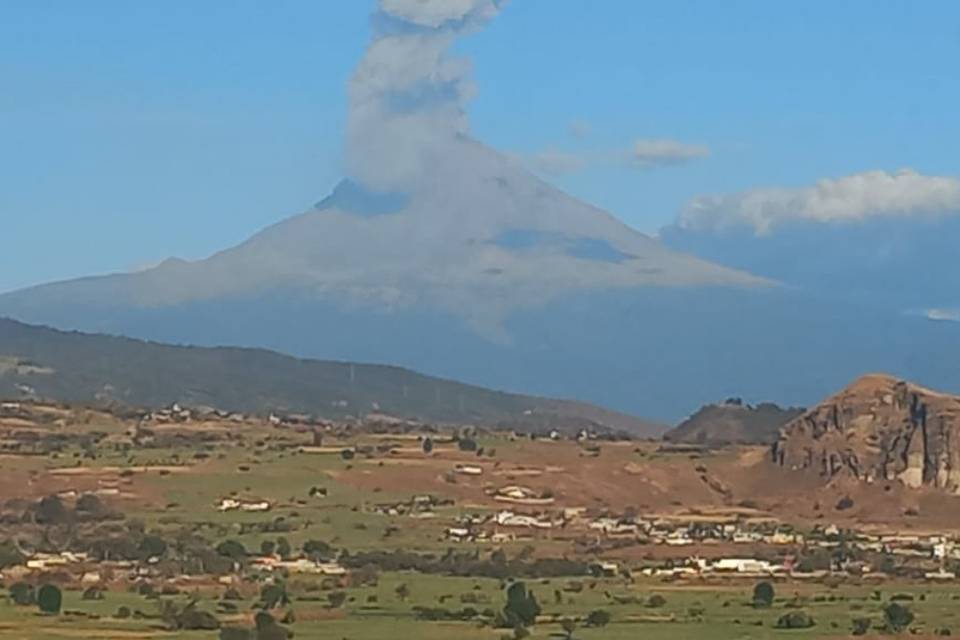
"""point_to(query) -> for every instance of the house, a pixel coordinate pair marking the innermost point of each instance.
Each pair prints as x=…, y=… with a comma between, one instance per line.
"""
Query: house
x=743, y=565
x=263, y=505
x=232, y=504
x=469, y=470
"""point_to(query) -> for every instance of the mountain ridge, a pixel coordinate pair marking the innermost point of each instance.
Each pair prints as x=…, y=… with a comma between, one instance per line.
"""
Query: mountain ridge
x=86, y=368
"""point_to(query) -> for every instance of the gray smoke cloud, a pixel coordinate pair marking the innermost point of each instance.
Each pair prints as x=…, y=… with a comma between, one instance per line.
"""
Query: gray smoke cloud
x=408, y=95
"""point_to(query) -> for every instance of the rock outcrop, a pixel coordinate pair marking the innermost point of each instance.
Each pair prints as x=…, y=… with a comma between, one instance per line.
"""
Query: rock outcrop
x=878, y=428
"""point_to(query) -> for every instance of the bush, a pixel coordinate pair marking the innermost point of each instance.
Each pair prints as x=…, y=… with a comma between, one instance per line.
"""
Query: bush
x=795, y=620
x=122, y=613
x=273, y=596
x=656, y=601
x=193, y=619
x=10, y=556
x=598, y=618
x=22, y=594
x=236, y=633
x=50, y=599
x=897, y=617
x=93, y=593
x=860, y=626
x=763, y=595
x=427, y=446
x=846, y=502
x=232, y=549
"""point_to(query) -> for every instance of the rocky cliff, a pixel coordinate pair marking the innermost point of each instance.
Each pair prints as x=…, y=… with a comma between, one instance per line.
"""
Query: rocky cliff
x=878, y=428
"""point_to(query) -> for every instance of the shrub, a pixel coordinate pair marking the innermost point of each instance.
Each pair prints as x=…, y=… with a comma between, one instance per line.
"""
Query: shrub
x=846, y=502
x=93, y=593
x=427, y=446
x=50, y=599
x=763, y=595
x=860, y=626
x=656, y=601
x=231, y=594
x=897, y=617
x=598, y=618
x=122, y=613
x=22, y=594
x=273, y=596
x=232, y=549
x=236, y=633
x=193, y=619
x=795, y=620
x=10, y=556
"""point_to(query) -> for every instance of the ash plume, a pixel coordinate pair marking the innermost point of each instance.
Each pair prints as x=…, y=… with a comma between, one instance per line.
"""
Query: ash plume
x=408, y=95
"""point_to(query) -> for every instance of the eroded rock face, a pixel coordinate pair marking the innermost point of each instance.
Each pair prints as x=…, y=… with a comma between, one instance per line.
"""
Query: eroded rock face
x=878, y=428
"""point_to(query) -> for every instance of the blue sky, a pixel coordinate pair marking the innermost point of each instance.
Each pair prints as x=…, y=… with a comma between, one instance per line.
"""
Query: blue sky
x=130, y=132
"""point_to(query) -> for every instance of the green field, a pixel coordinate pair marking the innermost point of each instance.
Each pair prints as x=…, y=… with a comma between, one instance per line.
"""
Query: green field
x=374, y=613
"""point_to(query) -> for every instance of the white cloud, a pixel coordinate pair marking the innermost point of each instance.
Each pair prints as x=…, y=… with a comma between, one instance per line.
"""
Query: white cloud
x=942, y=315
x=656, y=153
x=437, y=13
x=645, y=154
x=849, y=199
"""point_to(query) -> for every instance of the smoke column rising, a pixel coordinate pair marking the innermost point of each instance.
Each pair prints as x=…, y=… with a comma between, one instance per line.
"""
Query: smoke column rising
x=408, y=95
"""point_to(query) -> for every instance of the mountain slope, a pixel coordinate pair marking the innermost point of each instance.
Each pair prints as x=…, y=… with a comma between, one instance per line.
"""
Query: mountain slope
x=479, y=239
x=83, y=368
x=878, y=428
x=733, y=422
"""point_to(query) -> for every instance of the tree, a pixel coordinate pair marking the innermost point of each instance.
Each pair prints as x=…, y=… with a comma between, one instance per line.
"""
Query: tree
x=90, y=504
x=522, y=607
x=22, y=594
x=598, y=618
x=273, y=596
x=283, y=548
x=50, y=510
x=317, y=549
x=232, y=549
x=568, y=626
x=49, y=599
x=10, y=556
x=428, y=446
x=467, y=444
x=268, y=547
x=151, y=546
x=402, y=591
x=266, y=628
x=763, y=595
x=897, y=617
